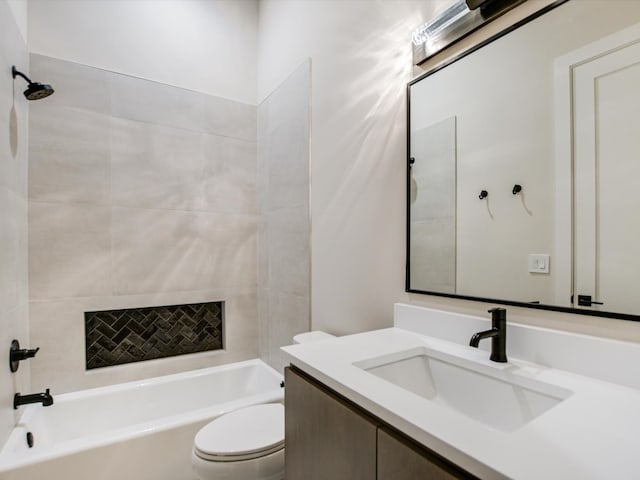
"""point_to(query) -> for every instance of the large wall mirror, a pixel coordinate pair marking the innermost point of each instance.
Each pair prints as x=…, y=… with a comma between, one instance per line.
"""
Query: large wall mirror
x=523, y=182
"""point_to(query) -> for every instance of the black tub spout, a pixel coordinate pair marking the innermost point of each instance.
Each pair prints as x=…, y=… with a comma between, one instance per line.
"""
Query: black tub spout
x=45, y=398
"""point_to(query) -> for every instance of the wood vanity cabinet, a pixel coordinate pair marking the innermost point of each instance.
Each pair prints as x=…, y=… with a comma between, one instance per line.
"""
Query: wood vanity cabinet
x=324, y=438
x=399, y=459
x=327, y=437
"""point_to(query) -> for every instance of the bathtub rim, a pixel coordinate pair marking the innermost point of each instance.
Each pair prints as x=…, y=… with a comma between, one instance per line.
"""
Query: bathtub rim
x=159, y=379
x=275, y=395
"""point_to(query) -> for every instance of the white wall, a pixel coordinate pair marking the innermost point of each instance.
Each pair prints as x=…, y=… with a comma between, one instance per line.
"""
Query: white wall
x=207, y=46
x=361, y=61
x=361, y=56
x=19, y=10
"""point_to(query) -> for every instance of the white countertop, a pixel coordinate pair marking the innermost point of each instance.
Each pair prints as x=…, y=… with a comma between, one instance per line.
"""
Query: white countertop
x=592, y=434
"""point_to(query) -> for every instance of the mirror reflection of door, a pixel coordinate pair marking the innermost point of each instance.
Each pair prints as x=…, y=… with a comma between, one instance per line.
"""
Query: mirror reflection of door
x=606, y=158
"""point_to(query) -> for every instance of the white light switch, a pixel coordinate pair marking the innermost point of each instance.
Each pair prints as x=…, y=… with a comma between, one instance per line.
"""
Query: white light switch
x=538, y=263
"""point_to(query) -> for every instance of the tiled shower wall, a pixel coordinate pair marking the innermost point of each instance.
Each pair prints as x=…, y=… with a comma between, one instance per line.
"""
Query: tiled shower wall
x=13, y=214
x=283, y=203
x=140, y=194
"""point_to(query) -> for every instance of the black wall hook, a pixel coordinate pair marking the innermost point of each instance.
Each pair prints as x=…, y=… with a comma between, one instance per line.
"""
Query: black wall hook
x=483, y=194
x=516, y=189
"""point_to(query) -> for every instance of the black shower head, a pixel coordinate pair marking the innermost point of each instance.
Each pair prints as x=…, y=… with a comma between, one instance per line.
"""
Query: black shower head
x=35, y=90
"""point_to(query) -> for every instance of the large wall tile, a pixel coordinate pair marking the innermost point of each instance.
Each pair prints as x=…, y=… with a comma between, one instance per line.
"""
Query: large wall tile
x=134, y=203
x=283, y=205
x=69, y=250
x=156, y=103
x=263, y=251
x=288, y=166
x=288, y=316
x=13, y=251
x=155, y=166
x=241, y=323
x=433, y=254
x=290, y=102
x=69, y=155
x=285, y=142
x=14, y=114
x=229, y=182
x=288, y=251
x=14, y=326
x=76, y=85
x=229, y=118
x=262, y=159
x=434, y=171
x=264, y=344
x=57, y=327
x=160, y=251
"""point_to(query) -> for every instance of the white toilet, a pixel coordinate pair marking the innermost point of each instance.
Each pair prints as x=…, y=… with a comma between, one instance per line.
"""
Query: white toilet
x=246, y=444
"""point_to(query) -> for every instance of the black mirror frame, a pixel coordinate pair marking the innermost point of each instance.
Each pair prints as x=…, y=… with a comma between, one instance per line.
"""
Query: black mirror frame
x=409, y=161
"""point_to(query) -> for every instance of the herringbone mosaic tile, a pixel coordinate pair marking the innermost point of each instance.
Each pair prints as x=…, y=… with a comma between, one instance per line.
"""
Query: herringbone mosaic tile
x=114, y=337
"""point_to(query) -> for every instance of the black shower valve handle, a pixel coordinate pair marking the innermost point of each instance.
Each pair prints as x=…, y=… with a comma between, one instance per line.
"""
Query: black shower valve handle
x=25, y=353
x=17, y=354
x=516, y=189
x=483, y=194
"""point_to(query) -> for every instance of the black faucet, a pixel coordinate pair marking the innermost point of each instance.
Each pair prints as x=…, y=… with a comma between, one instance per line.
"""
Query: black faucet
x=498, y=335
x=45, y=398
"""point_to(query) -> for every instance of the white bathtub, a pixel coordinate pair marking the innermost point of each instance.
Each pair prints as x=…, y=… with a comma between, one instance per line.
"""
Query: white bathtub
x=139, y=430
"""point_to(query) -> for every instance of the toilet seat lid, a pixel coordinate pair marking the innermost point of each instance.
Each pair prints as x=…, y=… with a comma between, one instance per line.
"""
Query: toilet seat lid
x=248, y=432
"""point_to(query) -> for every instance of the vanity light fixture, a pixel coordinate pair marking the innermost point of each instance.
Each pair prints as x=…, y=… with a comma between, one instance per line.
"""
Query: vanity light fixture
x=428, y=31
x=457, y=21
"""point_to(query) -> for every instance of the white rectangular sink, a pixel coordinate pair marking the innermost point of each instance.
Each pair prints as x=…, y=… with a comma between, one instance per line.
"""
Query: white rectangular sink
x=493, y=396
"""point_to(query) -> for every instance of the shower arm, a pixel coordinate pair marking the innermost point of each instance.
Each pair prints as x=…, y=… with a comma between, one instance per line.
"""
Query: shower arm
x=16, y=73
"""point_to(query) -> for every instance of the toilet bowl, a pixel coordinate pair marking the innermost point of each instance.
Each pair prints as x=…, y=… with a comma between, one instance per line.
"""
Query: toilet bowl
x=246, y=444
